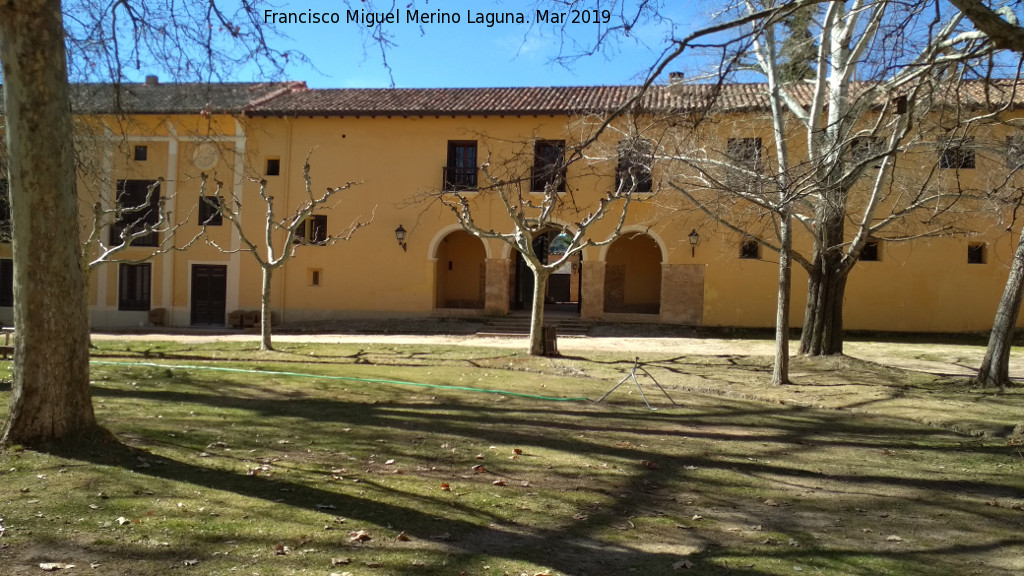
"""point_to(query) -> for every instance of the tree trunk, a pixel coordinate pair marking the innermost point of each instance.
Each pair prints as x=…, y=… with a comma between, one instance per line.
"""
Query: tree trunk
x=822, y=333
x=995, y=368
x=51, y=398
x=780, y=372
x=265, y=318
x=540, y=288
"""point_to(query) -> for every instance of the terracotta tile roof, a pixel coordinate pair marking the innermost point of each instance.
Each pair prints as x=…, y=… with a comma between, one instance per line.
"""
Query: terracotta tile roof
x=432, y=101
x=171, y=98
x=295, y=99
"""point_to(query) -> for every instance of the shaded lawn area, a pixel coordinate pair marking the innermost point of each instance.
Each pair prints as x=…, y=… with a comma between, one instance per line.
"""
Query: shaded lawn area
x=228, y=472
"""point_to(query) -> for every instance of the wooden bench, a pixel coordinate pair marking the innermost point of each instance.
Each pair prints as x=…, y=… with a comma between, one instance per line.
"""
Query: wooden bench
x=7, y=350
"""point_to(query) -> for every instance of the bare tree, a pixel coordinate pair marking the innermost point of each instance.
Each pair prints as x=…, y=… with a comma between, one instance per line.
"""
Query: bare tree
x=192, y=38
x=848, y=127
x=134, y=221
x=557, y=210
x=282, y=235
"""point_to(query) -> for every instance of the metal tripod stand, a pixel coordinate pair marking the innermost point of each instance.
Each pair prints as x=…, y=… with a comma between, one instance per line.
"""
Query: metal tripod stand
x=632, y=374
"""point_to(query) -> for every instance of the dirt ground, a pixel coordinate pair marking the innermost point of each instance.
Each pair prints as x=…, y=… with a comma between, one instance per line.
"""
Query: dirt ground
x=941, y=359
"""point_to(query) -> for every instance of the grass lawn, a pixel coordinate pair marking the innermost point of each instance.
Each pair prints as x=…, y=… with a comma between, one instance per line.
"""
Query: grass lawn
x=292, y=462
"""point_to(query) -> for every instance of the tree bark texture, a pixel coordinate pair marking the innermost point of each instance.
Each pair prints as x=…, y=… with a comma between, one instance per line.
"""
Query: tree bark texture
x=995, y=367
x=540, y=289
x=780, y=371
x=265, y=323
x=822, y=333
x=51, y=399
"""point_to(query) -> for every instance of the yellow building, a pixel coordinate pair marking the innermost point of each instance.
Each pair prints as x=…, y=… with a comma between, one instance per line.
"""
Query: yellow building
x=402, y=148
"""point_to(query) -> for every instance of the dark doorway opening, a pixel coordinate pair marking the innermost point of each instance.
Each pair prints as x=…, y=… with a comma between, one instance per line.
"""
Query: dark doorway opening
x=565, y=287
x=209, y=294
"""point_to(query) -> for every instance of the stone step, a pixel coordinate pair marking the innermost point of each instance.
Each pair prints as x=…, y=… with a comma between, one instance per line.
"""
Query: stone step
x=520, y=326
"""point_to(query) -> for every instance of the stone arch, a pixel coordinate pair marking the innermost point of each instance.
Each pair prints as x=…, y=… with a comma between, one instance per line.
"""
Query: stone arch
x=632, y=277
x=443, y=233
x=461, y=271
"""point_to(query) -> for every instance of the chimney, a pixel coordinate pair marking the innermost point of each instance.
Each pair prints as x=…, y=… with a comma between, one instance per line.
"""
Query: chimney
x=152, y=80
x=675, y=78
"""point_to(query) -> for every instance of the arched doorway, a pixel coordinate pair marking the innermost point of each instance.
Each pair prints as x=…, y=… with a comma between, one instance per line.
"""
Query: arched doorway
x=461, y=276
x=632, y=275
x=564, y=286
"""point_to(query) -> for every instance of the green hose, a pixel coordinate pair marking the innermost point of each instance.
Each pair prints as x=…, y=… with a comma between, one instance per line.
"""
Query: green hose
x=351, y=378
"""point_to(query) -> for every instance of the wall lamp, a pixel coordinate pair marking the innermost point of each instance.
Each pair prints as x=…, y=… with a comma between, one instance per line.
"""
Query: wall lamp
x=694, y=242
x=400, y=236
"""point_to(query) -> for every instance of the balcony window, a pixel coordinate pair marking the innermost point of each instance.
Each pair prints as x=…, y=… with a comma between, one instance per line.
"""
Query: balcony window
x=460, y=172
x=548, y=166
x=634, y=170
x=745, y=156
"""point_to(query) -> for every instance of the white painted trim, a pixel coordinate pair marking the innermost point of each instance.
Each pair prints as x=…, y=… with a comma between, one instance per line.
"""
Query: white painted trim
x=443, y=233
x=167, y=258
x=602, y=254
x=233, y=288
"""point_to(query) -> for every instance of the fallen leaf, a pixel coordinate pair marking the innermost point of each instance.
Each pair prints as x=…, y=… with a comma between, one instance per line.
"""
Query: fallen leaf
x=340, y=561
x=190, y=562
x=650, y=465
x=770, y=502
x=359, y=536
x=325, y=507
x=698, y=517
x=498, y=483
x=683, y=564
x=445, y=487
x=517, y=450
x=894, y=538
x=372, y=564
x=122, y=521
x=402, y=537
x=54, y=566
x=281, y=550
x=389, y=463
x=479, y=469
x=479, y=456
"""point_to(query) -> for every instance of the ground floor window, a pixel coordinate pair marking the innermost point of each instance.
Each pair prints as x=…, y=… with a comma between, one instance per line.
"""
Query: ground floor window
x=133, y=291
x=6, y=282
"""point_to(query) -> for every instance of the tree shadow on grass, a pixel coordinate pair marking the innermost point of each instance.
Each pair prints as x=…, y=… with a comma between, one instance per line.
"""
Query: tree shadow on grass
x=467, y=538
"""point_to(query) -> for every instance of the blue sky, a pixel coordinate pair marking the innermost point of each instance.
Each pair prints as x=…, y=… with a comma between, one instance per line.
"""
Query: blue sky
x=469, y=55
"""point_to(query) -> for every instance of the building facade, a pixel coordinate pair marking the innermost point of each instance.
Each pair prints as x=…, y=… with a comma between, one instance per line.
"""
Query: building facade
x=402, y=149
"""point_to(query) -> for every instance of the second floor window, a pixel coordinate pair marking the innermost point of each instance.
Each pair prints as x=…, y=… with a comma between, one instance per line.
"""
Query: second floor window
x=957, y=155
x=1015, y=151
x=548, y=166
x=744, y=154
x=210, y=211
x=635, y=159
x=138, y=207
x=460, y=171
x=312, y=230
